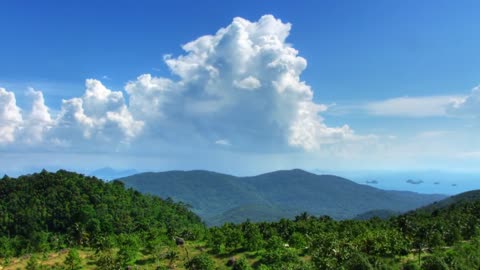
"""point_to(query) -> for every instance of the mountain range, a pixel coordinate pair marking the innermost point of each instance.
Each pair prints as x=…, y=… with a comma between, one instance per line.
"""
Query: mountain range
x=219, y=198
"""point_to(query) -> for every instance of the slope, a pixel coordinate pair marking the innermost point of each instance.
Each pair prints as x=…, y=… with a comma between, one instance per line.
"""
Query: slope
x=465, y=197
x=219, y=197
x=57, y=209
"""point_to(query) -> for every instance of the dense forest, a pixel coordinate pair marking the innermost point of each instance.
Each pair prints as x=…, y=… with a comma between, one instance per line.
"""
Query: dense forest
x=65, y=220
x=51, y=211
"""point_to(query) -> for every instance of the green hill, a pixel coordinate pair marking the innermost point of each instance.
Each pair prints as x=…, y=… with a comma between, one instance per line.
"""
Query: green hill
x=220, y=198
x=465, y=197
x=46, y=211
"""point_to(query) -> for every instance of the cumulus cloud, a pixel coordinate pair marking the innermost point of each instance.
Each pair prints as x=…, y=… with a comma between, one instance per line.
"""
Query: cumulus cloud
x=249, y=83
x=100, y=113
x=10, y=116
x=39, y=120
x=244, y=82
x=241, y=83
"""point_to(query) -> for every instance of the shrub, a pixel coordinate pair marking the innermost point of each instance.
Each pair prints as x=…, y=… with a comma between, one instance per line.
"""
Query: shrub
x=200, y=262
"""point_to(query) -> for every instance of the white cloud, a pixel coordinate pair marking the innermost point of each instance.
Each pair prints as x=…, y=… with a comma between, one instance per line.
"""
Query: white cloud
x=10, y=116
x=309, y=132
x=39, y=120
x=242, y=83
x=428, y=106
x=468, y=106
x=210, y=98
x=100, y=113
x=223, y=142
x=249, y=83
x=148, y=94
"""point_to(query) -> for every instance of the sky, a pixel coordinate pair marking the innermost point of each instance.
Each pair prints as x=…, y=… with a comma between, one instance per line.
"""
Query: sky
x=240, y=87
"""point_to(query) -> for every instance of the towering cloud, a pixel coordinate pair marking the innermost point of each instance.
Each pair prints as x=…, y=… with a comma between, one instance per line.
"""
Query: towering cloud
x=39, y=120
x=243, y=84
x=10, y=116
x=239, y=87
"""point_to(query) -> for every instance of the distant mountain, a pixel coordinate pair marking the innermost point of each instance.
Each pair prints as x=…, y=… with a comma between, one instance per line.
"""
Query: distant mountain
x=218, y=198
x=465, y=197
x=256, y=212
x=108, y=173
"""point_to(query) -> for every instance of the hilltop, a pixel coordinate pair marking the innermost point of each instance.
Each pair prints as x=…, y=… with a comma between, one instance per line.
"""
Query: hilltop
x=219, y=198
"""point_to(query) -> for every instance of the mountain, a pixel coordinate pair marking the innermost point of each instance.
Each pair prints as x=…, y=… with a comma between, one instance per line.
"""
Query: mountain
x=219, y=198
x=465, y=197
x=108, y=173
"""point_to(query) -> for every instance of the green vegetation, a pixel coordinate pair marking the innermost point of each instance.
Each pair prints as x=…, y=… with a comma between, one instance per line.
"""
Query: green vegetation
x=65, y=220
x=52, y=211
x=73, y=260
x=219, y=198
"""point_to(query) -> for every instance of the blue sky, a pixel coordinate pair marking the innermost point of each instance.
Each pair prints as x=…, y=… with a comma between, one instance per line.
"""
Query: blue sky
x=344, y=85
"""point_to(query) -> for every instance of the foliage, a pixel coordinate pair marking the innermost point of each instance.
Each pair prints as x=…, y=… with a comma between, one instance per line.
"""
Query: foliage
x=242, y=264
x=50, y=211
x=53, y=211
x=33, y=263
x=434, y=263
x=200, y=262
x=73, y=260
x=129, y=248
x=105, y=260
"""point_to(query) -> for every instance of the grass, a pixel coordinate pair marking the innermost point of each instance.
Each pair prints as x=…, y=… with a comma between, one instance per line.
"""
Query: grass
x=146, y=262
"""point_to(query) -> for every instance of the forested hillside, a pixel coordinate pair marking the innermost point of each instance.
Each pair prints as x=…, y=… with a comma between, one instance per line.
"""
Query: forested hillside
x=50, y=211
x=220, y=198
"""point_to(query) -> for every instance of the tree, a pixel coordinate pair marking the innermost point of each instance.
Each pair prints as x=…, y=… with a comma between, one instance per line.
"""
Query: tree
x=129, y=250
x=275, y=242
x=106, y=261
x=6, y=249
x=242, y=264
x=410, y=266
x=253, y=237
x=171, y=256
x=358, y=262
x=434, y=262
x=216, y=240
x=73, y=260
x=33, y=263
x=200, y=262
x=233, y=236
x=298, y=240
